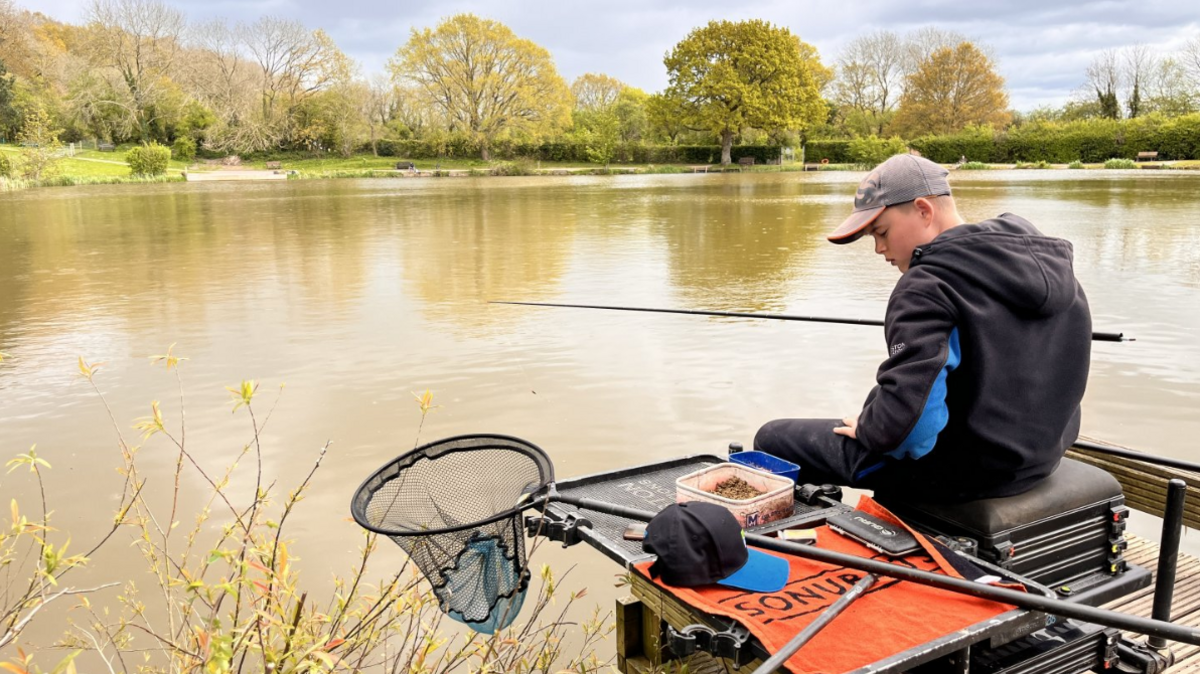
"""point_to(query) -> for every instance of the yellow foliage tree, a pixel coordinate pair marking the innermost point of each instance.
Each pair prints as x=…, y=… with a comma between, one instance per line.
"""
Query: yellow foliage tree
x=485, y=80
x=730, y=75
x=952, y=89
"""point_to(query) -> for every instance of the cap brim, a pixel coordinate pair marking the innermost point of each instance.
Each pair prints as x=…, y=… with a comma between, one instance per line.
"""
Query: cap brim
x=853, y=227
x=760, y=573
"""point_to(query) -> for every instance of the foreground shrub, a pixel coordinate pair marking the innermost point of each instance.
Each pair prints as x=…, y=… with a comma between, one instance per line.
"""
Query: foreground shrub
x=219, y=590
x=1120, y=163
x=1075, y=164
x=1040, y=164
x=148, y=160
x=6, y=166
x=975, y=166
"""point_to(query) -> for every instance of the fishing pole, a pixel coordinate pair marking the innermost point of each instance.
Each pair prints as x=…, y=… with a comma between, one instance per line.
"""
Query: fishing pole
x=1096, y=336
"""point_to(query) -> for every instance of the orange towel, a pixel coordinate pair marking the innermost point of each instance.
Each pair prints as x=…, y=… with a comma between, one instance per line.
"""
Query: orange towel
x=892, y=617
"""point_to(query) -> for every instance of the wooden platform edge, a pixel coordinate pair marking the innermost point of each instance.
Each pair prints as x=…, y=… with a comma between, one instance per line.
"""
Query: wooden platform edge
x=1145, y=484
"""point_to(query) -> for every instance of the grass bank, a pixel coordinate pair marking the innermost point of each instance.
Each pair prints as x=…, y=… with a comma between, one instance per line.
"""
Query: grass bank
x=91, y=167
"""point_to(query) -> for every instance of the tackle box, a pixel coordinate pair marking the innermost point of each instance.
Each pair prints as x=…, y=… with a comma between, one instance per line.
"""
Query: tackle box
x=1066, y=533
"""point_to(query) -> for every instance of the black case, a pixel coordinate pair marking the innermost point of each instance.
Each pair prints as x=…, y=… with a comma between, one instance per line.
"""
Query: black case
x=1070, y=551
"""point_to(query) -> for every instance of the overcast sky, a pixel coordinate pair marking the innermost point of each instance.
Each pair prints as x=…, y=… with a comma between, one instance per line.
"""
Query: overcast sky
x=1042, y=47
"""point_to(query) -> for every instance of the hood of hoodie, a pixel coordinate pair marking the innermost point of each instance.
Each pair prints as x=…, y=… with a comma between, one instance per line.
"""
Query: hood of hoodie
x=1024, y=269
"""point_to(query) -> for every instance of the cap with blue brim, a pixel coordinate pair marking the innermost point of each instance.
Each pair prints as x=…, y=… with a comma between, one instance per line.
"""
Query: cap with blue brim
x=703, y=544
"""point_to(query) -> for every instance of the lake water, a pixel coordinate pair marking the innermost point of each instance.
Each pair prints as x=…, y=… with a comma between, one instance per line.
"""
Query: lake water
x=355, y=294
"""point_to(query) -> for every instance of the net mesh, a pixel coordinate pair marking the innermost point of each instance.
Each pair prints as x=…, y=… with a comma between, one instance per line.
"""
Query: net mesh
x=455, y=507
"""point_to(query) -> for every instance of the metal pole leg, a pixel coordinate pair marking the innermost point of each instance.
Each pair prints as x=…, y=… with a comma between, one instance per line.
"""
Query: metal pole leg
x=1168, y=557
x=789, y=649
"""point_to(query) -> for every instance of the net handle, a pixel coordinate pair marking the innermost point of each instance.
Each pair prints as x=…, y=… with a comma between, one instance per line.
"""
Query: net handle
x=539, y=455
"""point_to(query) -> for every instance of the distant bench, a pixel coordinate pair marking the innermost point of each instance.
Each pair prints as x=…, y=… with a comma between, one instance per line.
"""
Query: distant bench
x=106, y=147
x=274, y=165
x=1147, y=156
x=745, y=161
x=405, y=166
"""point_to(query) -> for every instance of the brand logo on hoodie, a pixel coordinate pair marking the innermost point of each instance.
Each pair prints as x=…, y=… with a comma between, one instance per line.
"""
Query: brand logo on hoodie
x=896, y=348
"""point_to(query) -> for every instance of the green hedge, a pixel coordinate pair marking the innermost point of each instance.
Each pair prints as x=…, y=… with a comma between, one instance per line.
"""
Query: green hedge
x=836, y=151
x=6, y=166
x=1091, y=141
x=566, y=151
x=974, y=144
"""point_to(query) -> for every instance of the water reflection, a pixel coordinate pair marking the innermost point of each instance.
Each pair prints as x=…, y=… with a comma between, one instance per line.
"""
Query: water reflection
x=466, y=247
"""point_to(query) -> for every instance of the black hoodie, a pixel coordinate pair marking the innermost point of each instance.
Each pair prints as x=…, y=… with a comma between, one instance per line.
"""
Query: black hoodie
x=989, y=336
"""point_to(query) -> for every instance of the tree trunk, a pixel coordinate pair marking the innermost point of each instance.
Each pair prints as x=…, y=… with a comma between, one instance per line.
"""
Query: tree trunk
x=726, y=147
x=483, y=150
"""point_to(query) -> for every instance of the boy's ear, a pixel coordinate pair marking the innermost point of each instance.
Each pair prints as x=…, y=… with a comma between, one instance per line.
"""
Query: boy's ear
x=925, y=208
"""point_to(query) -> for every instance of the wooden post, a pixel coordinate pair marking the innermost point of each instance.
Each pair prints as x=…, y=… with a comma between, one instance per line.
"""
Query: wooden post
x=629, y=632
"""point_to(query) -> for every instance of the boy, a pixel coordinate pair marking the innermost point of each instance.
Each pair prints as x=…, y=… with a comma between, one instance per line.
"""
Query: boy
x=989, y=341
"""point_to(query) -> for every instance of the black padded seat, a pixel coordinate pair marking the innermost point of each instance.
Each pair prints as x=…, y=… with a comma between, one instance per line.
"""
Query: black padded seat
x=1072, y=486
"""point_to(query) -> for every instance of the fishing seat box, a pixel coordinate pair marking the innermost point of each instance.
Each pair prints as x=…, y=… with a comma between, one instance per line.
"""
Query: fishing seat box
x=1066, y=533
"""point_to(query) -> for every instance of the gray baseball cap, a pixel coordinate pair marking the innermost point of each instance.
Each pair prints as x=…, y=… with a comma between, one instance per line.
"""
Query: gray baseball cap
x=898, y=180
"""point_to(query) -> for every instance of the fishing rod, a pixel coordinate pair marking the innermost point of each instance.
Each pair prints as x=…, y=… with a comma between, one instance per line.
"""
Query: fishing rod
x=1096, y=336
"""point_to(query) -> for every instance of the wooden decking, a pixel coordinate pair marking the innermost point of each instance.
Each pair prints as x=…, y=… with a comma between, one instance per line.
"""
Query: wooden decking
x=1144, y=553
x=1185, y=609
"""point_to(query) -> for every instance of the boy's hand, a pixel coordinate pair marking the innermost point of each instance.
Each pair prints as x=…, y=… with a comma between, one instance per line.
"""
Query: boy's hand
x=850, y=430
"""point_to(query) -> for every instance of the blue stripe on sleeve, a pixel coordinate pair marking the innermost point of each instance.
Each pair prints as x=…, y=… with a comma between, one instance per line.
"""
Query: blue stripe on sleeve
x=935, y=415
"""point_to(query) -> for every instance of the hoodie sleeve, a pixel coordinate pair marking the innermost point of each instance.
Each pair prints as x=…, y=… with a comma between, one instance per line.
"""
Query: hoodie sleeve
x=906, y=410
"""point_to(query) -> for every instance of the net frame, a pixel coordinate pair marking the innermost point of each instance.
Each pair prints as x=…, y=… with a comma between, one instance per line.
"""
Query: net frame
x=478, y=568
x=434, y=450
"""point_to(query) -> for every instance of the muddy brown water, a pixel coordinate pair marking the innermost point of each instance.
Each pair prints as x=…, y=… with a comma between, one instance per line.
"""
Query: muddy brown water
x=355, y=294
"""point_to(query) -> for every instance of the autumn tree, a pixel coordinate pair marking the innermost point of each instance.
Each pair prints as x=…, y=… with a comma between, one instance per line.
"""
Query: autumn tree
x=137, y=40
x=952, y=89
x=484, y=79
x=11, y=30
x=596, y=91
x=8, y=19
x=730, y=75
